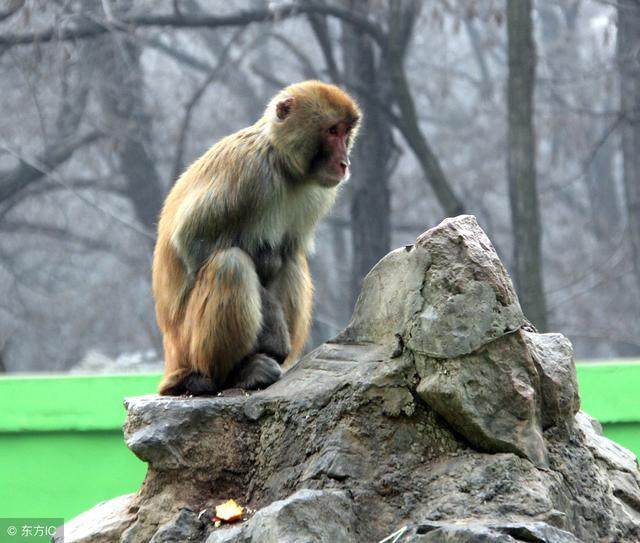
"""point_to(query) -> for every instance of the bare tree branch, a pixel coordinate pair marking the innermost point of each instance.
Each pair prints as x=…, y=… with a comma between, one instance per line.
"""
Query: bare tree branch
x=178, y=54
x=409, y=227
x=308, y=71
x=321, y=31
x=56, y=232
x=28, y=172
x=43, y=188
x=13, y=8
x=410, y=128
x=178, y=161
x=91, y=29
x=51, y=174
x=587, y=161
x=486, y=85
x=176, y=8
x=616, y=271
x=268, y=77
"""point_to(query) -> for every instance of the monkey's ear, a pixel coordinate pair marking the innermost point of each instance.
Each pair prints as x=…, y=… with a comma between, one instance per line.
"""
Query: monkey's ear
x=283, y=108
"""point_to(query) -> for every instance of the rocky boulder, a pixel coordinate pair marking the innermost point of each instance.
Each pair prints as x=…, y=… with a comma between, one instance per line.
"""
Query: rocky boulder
x=439, y=414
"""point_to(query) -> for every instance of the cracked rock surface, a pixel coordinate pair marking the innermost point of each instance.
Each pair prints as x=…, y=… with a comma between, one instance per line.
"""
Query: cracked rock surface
x=436, y=415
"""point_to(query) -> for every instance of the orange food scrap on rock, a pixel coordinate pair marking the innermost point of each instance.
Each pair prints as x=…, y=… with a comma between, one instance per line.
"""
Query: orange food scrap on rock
x=229, y=511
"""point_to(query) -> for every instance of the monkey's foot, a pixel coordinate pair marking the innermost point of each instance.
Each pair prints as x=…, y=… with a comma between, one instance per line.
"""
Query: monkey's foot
x=258, y=371
x=197, y=384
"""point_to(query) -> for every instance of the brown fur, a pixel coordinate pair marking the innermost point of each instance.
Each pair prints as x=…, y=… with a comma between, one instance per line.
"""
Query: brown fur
x=253, y=189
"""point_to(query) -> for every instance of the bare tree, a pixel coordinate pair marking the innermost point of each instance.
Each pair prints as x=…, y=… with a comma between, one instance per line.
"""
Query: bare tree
x=107, y=101
x=601, y=185
x=370, y=195
x=392, y=44
x=523, y=194
x=629, y=65
x=65, y=139
x=120, y=94
x=402, y=18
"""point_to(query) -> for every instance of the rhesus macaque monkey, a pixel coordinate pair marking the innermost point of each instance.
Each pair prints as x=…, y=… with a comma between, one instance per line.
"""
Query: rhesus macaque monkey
x=230, y=278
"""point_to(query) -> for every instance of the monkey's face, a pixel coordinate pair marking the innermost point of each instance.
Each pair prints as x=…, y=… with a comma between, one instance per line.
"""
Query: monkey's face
x=313, y=126
x=330, y=165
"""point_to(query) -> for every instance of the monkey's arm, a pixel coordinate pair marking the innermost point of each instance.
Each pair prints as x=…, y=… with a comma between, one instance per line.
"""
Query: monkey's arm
x=274, y=337
x=293, y=288
x=194, y=235
x=202, y=219
x=272, y=347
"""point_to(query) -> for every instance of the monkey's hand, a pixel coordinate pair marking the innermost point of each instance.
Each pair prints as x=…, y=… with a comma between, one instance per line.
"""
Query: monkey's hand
x=273, y=339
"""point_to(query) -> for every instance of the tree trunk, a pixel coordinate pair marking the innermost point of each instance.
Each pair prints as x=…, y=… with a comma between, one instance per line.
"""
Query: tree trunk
x=121, y=95
x=369, y=184
x=402, y=17
x=629, y=66
x=523, y=195
x=603, y=196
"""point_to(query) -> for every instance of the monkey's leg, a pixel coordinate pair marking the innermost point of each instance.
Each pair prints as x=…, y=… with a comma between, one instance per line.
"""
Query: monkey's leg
x=273, y=339
x=293, y=288
x=222, y=319
x=175, y=371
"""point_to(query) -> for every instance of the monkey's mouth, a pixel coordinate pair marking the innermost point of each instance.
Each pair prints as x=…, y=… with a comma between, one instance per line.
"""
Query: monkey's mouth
x=332, y=173
x=341, y=171
x=341, y=175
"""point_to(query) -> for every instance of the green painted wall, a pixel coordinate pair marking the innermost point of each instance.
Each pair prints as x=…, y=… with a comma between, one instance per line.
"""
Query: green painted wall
x=61, y=446
x=625, y=433
x=61, y=474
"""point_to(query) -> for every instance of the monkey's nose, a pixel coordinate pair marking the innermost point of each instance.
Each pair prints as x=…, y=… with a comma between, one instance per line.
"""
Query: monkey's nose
x=344, y=164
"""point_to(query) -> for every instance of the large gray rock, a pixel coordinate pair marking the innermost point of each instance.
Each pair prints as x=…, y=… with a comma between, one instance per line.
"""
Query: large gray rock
x=480, y=532
x=553, y=357
x=101, y=524
x=309, y=516
x=468, y=296
x=445, y=296
x=615, y=456
x=435, y=406
x=186, y=526
x=491, y=396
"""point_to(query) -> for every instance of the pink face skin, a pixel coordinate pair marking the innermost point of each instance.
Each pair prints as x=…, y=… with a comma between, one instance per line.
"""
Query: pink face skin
x=337, y=137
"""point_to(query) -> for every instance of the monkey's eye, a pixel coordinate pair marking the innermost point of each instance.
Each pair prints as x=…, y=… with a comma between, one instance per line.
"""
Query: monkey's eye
x=333, y=130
